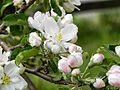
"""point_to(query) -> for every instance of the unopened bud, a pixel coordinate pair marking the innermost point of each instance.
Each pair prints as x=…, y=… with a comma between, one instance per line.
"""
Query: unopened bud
x=99, y=83
x=97, y=58
x=63, y=66
x=75, y=72
x=117, y=50
x=34, y=39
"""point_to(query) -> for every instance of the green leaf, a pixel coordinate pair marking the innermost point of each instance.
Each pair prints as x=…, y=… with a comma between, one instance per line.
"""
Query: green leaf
x=15, y=19
x=63, y=88
x=26, y=54
x=55, y=6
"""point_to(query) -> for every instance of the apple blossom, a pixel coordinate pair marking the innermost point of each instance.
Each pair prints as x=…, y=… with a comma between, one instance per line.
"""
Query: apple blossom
x=58, y=35
x=63, y=66
x=48, y=44
x=97, y=58
x=4, y=56
x=10, y=78
x=114, y=76
x=75, y=72
x=75, y=60
x=34, y=39
x=69, y=5
x=99, y=83
x=117, y=50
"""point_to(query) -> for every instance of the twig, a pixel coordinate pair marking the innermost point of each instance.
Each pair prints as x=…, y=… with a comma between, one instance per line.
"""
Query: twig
x=31, y=86
x=4, y=46
x=48, y=78
x=24, y=7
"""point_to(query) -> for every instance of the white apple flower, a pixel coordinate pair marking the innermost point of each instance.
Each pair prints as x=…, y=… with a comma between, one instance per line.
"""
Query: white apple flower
x=69, y=5
x=34, y=39
x=10, y=78
x=36, y=22
x=58, y=35
x=17, y=3
x=99, y=83
x=4, y=56
x=117, y=50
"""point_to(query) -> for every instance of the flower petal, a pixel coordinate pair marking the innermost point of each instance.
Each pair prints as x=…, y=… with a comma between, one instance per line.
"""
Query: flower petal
x=7, y=87
x=11, y=69
x=38, y=16
x=21, y=84
x=1, y=51
x=35, y=24
x=51, y=27
x=1, y=72
x=69, y=32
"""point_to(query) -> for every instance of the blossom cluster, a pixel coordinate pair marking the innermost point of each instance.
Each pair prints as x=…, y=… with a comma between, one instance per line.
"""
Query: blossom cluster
x=10, y=78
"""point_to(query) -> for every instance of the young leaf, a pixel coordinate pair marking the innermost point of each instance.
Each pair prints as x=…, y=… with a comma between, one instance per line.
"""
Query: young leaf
x=55, y=6
x=15, y=19
x=24, y=55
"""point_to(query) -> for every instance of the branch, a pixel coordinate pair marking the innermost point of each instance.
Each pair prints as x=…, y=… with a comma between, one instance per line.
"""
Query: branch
x=95, y=5
x=4, y=46
x=48, y=78
x=24, y=7
x=30, y=84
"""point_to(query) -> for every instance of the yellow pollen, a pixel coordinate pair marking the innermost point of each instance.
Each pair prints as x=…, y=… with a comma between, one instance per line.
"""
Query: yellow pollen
x=6, y=79
x=59, y=37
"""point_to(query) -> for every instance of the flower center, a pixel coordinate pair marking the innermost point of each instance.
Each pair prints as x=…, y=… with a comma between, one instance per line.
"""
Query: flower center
x=6, y=79
x=59, y=37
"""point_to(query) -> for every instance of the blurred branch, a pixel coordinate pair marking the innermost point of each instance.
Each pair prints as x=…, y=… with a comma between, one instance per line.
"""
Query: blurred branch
x=31, y=86
x=48, y=78
x=86, y=6
x=4, y=46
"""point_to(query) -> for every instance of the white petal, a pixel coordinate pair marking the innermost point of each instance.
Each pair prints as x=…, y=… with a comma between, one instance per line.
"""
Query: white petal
x=75, y=2
x=7, y=87
x=11, y=69
x=21, y=84
x=1, y=72
x=4, y=57
x=51, y=27
x=38, y=16
x=69, y=32
x=1, y=51
x=35, y=24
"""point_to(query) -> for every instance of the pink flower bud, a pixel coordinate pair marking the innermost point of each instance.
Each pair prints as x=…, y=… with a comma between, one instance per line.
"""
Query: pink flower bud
x=97, y=58
x=117, y=50
x=63, y=66
x=99, y=83
x=114, y=76
x=74, y=48
x=114, y=79
x=75, y=72
x=75, y=60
